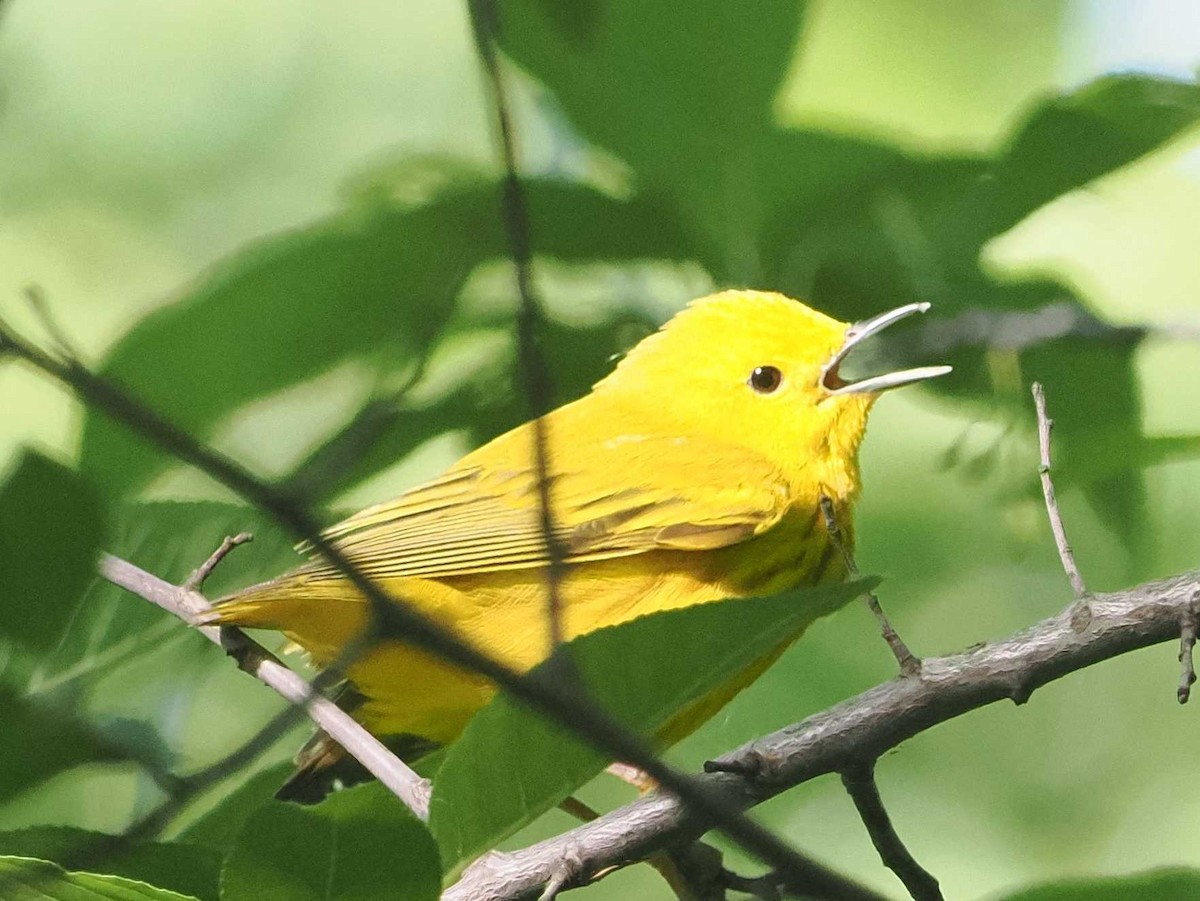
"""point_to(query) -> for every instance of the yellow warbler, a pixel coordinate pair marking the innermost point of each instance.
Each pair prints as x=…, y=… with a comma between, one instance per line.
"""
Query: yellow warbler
x=692, y=473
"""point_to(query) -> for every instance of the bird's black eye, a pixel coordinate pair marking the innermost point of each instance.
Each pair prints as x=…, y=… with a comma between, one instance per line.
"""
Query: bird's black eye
x=765, y=379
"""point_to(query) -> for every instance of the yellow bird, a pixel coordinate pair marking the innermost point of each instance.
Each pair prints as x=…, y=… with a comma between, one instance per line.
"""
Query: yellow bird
x=692, y=473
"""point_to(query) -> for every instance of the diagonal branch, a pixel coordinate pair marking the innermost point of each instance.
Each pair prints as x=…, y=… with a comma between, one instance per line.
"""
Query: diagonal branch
x=256, y=660
x=863, y=727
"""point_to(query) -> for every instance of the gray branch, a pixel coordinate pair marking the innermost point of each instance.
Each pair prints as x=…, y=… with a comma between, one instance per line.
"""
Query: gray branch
x=862, y=728
x=190, y=606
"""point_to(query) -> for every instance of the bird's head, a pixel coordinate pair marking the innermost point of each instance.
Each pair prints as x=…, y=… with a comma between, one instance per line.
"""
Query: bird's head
x=764, y=371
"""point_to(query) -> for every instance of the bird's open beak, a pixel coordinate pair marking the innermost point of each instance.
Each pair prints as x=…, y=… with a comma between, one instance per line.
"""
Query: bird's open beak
x=855, y=335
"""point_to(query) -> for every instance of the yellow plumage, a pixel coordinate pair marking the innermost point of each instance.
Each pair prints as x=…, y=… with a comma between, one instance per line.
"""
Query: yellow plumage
x=684, y=477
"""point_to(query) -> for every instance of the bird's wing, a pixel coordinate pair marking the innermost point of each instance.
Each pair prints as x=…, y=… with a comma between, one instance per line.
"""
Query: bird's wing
x=636, y=493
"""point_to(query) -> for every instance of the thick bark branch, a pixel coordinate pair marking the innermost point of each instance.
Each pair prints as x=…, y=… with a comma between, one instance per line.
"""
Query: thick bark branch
x=863, y=727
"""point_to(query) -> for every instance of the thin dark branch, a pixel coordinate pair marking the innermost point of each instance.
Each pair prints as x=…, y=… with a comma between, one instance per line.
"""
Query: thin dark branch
x=485, y=21
x=910, y=663
x=555, y=698
x=1065, y=554
x=859, y=781
x=865, y=726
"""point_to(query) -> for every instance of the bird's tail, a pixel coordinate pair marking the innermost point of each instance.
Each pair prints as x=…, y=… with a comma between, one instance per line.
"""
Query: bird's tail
x=320, y=615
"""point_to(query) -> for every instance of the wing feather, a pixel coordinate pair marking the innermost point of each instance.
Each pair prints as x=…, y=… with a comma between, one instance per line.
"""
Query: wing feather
x=638, y=493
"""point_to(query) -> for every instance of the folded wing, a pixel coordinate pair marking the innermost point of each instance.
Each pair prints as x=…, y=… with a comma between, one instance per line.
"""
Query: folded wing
x=621, y=496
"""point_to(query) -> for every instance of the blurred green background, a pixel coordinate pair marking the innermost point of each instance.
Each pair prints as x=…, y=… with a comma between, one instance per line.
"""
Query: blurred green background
x=302, y=191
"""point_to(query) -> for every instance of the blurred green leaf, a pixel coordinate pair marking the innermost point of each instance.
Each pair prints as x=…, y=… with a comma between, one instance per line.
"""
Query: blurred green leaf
x=376, y=282
x=52, y=523
x=357, y=845
x=897, y=225
x=24, y=879
x=484, y=406
x=219, y=828
x=1092, y=394
x=510, y=765
x=1075, y=138
x=1157, y=885
x=679, y=91
x=111, y=629
x=367, y=281
x=39, y=741
x=180, y=868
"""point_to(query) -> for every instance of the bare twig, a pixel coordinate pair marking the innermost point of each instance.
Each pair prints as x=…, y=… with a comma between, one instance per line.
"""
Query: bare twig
x=195, y=582
x=910, y=663
x=556, y=698
x=557, y=882
x=859, y=781
x=1189, y=622
x=867, y=725
x=485, y=17
x=190, y=606
x=1065, y=554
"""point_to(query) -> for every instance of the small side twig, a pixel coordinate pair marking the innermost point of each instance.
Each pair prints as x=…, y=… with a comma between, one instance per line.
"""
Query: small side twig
x=195, y=582
x=565, y=874
x=859, y=781
x=910, y=663
x=1065, y=554
x=1189, y=623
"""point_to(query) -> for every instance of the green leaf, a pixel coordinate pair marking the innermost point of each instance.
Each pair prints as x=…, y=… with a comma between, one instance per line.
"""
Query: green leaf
x=486, y=405
x=510, y=765
x=360, y=844
x=856, y=225
x=219, y=828
x=374, y=283
x=51, y=526
x=1156, y=885
x=1075, y=138
x=39, y=741
x=111, y=629
x=687, y=121
x=181, y=868
x=284, y=311
x=25, y=879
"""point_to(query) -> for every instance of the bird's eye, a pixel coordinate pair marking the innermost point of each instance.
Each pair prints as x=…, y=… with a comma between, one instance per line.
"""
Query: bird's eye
x=765, y=379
